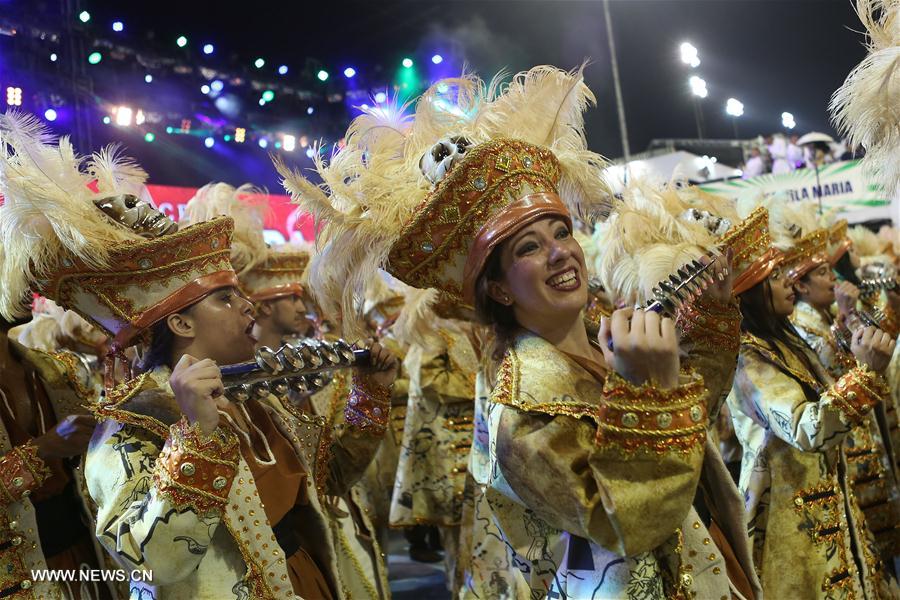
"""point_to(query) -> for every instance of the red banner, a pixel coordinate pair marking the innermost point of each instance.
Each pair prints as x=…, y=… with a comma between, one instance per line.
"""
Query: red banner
x=284, y=222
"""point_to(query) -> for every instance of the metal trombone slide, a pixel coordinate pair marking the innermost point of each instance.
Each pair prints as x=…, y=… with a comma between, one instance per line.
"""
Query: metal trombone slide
x=683, y=287
x=299, y=365
x=844, y=337
x=870, y=287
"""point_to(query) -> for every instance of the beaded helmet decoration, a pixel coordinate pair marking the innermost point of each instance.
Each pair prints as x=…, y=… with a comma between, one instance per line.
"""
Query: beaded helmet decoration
x=282, y=273
x=107, y=255
x=264, y=273
x=838, y=241
x=754, y=257
x=428, y=196
x=798, y=232
x=246, y=206
x=864, y=108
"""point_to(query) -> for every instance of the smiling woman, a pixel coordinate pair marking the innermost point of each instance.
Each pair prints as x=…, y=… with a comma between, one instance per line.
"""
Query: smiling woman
x=582, y=455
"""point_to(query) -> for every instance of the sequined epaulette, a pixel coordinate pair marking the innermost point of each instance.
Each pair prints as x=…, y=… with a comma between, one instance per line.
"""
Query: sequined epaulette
x=112, y=406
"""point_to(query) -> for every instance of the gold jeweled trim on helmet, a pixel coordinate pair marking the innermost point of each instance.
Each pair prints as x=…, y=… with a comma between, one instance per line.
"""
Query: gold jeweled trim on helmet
x=433, y=247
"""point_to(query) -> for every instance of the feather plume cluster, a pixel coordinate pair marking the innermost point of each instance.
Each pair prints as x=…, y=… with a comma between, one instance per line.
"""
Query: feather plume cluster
x=247, y=206
x=866, y=108
x=866, y=242
x=372, y=187
x=790, y=221
x=48, y=212
x=647, y=237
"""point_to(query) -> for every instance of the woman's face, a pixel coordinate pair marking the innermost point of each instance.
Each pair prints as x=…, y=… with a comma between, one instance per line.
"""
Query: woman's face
x=782, y=293
x=817, y=287
x=222, y=326
x=544, y=276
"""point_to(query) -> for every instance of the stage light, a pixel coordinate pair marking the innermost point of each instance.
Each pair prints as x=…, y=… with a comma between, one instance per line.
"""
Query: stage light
x=310, y=110
x=107, y=120
x=216, y=85
x=53, y=57
x=407, y=63
x=282, y=70
x=322, y=75
x=349, y=72
x=290, y=143
x=50, y=114
x=14, y=96
x=698, y=86
x=380, y=97
x=94, y=58
x=277, y=145
x=262, y=102
x=209, y=142
x=259, y=63
x=181, y=41
x=734, y=107
x=364, y=106
x=689, y=55
x=239, y=134
x=84, y=16
x=170, y=129
x=123, y=116
x=118, y=27
x=204, y=89
x=437, y=59
x=148, y=78
x=310, y=153
x=263, y=142
x=208, y=49
x=227, y=137
x=149, y=137
x=787, y=120
x=304, y=141
x=139, y=117
x=268, y=95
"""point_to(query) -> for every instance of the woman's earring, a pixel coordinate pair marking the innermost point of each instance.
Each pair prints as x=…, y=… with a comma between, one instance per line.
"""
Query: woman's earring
x=506, y=300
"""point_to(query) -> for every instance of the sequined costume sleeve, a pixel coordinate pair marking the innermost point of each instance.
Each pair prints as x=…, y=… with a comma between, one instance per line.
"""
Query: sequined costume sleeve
x=785, y=398
x=21, y=472
x=357, y=433
x=159, y=503
x=621, y=472
x=711, y=337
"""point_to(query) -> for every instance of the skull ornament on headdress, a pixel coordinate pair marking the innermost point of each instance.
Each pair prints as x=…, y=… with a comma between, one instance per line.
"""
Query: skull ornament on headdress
x=443, y=156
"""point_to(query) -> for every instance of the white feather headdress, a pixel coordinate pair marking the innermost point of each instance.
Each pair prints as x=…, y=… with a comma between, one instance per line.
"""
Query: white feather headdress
x=48, y=214
x=866, y=108
x=372, y=188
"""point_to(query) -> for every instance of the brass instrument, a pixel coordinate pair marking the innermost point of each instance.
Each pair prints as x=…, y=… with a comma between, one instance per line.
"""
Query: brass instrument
x=299, y=365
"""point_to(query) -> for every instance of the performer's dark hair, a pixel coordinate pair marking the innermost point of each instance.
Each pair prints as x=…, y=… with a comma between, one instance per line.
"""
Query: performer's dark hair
x=490, y=312
x=844, y=268
x=759, y=319
x=159, y=351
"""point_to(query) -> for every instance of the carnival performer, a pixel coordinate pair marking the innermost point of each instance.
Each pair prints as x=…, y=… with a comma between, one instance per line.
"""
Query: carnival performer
x=207, y=496
x=792, y=418
x=272, y=280
x=868, y=448
x=441, y=364
x=589, y=494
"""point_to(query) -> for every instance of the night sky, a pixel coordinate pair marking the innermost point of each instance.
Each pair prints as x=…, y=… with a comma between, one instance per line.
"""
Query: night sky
x=772, y=55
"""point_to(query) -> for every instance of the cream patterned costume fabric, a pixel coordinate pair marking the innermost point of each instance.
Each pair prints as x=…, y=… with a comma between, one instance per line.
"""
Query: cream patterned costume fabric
x=869, y=460
x=799, y=505
x=217, y=543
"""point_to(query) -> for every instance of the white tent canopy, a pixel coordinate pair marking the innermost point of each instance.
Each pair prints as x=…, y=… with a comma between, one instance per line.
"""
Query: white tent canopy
x=674, y=165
